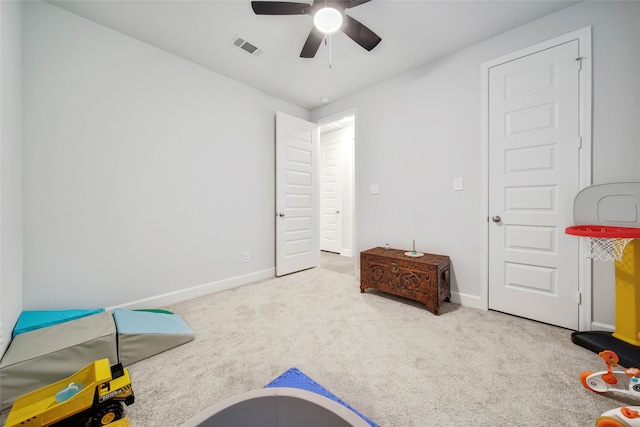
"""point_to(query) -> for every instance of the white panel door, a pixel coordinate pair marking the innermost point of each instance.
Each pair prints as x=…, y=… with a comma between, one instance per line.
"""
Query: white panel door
x=331, y=197
x=296, y=194
x=533, y=178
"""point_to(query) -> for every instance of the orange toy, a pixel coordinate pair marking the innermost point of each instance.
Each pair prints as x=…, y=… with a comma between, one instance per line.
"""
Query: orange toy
x=625, y=381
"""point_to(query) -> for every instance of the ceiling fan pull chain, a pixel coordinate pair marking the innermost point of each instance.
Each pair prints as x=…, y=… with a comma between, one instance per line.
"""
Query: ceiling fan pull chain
x=329, y=37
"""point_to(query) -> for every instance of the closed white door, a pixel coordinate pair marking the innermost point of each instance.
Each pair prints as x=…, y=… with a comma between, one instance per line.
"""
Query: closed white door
x=331, y=197
x=533, y=178
x=296, y=194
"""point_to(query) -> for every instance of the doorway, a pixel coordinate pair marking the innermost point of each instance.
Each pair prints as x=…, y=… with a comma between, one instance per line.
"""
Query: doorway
x=336, y=262
x=297, y=185
x=537, y=157
x=336, y=182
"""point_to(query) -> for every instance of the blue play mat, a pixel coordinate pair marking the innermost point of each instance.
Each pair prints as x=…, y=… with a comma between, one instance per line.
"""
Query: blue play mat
x=296, y=379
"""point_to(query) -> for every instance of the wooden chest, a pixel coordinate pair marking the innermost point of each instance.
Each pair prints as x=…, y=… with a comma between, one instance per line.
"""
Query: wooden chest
x=424, y=279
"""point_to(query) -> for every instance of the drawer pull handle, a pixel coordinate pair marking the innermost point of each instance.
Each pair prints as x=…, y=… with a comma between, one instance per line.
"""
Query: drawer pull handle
x=394, y=267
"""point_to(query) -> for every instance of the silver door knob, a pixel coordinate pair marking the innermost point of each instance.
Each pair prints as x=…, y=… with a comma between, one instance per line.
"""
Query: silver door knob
x=281, y=214
x=337, y=212
x=496, y=218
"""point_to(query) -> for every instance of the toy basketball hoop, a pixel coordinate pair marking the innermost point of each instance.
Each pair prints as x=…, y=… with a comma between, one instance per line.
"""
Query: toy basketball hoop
x=604, y=243
x=613, y=210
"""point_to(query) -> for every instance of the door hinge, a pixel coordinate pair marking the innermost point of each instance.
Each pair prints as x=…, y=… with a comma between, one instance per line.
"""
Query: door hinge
x=579, y=60
x=579, y=298
x=579, y=142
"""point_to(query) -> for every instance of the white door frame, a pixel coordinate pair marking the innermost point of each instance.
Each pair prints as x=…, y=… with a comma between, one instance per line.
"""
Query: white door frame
x=354, y=229
x=583, y=36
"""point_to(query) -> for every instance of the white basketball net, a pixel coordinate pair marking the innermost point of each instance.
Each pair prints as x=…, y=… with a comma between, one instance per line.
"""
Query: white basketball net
x=605, y=248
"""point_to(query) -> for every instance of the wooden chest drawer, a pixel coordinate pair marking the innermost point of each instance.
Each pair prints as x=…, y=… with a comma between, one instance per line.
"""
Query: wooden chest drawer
x=424, y=279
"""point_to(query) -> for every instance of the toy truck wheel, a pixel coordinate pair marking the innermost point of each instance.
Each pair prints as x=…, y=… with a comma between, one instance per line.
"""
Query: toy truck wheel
x=107, y=415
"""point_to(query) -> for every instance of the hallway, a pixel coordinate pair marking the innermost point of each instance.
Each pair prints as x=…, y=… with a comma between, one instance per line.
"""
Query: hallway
x=336, y=262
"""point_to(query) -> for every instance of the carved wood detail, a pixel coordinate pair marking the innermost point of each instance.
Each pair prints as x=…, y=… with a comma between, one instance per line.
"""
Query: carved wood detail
x=424, y=279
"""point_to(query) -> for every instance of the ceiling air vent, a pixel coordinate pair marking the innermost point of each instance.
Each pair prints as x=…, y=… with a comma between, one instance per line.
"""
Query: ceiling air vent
x=246, y=46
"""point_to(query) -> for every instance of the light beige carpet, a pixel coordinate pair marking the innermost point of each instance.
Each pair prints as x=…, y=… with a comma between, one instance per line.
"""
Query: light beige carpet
x=391, y=359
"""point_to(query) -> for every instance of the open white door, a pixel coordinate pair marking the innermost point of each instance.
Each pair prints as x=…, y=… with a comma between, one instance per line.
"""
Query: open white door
x=296, y=194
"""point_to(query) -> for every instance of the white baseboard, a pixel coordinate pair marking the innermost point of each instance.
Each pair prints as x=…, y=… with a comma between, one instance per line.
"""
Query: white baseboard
x=163, y=300
x=474, y=302
x=596, y=326
x=466, y=300
x=196, y=291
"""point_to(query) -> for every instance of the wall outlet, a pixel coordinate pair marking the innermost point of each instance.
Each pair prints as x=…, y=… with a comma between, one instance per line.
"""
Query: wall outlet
x=246, y=257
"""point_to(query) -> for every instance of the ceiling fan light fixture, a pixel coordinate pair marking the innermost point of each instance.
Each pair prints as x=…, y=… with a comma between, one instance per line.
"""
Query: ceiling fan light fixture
x=328, y=20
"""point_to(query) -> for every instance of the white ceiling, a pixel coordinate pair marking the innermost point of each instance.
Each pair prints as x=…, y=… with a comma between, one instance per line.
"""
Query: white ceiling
x=413, y=33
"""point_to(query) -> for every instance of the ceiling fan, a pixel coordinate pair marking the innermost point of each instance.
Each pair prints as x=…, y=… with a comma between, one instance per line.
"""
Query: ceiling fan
x=328, y=16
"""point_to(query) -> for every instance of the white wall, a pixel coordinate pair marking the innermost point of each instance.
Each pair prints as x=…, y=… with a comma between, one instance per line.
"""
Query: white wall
x=419, y=130
x=132, y=155
x=145, y=174
x=11, y=15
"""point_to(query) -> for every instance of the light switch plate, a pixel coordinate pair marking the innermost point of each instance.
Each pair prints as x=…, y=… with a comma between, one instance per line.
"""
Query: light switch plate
x=457, y=183
x=374, y=189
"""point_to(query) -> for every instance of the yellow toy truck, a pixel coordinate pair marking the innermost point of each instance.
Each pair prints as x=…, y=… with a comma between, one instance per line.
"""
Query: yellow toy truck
x=91, y=397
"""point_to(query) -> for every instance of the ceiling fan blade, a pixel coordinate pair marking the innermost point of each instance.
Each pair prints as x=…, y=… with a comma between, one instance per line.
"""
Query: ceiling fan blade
x=312, y=44
x=353, y=3
x=280, y=8
x=360, y=33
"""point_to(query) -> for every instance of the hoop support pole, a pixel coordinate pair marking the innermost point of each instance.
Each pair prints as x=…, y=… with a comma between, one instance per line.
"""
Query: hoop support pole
x=627, y=272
